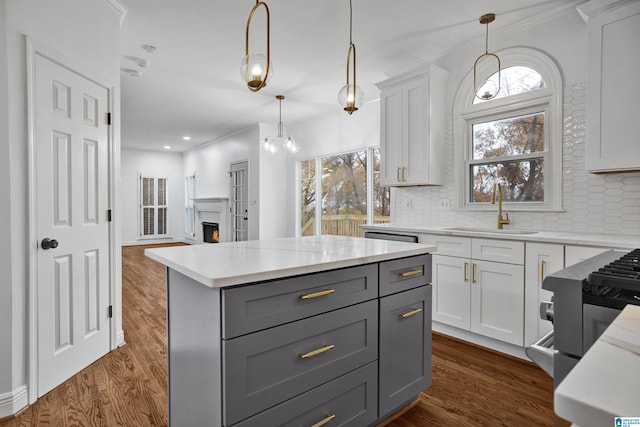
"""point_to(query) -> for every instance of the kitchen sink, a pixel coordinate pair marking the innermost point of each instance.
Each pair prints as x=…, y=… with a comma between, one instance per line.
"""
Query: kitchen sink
x=491, y=230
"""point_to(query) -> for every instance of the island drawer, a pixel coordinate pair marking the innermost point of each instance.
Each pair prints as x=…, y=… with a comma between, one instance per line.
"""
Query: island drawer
x=266, y=368
x=405, y=273
x=346, y=401
x=263, y=305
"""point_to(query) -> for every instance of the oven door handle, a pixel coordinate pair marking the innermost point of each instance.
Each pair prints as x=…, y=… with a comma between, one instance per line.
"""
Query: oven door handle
x=541, y=352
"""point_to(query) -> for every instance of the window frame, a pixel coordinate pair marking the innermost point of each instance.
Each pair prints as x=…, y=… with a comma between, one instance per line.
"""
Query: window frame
x=547, y=100
x=155, y=206
x=318, y=183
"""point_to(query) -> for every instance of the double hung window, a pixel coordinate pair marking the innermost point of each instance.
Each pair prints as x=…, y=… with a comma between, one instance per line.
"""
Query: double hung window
x=153, y=207
x=514, y=139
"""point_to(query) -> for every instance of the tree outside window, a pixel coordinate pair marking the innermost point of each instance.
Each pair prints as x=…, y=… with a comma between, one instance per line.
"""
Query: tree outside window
x=307, y=197
x=509, y=146
x=507, y=151
x=349, y=191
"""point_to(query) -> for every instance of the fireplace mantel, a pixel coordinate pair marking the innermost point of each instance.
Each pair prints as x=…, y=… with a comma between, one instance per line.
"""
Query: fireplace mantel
x=212, y=209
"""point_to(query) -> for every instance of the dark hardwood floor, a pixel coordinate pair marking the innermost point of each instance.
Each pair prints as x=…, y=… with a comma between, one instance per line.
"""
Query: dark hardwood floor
x=472, y=386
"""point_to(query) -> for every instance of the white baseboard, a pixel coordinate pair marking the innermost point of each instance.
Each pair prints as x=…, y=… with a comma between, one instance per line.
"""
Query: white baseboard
x=12, y=402
x=481, y=340
x=155, y=241
x=120, y=338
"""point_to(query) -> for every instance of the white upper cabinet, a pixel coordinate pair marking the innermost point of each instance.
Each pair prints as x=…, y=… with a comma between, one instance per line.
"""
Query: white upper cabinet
x=412, y=128
x=613, y=92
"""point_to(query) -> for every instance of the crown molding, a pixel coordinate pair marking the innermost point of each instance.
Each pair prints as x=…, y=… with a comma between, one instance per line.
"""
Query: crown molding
x=119, y=7
x=594, y=8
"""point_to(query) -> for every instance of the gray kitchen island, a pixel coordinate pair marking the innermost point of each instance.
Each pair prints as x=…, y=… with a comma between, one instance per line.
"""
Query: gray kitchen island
x=306, y=331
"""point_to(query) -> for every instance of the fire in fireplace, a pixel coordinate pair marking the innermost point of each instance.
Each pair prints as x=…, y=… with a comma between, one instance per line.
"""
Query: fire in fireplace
x=210, y=232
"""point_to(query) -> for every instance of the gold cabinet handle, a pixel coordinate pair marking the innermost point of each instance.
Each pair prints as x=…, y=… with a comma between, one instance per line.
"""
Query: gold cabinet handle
x=403, y=169
x=318, y=294
x=316, y=352
x=323, y=422
x=466, y=265
x=411, y=273
x=473, y=272
x=411, y=313
x=398, y=174
x=543, y=264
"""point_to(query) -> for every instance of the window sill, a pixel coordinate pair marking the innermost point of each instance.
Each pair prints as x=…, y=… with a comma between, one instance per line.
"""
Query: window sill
x=506, y=208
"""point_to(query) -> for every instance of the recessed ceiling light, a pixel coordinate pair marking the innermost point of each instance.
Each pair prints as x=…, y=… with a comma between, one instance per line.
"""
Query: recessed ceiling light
x=132, y=72
x=186, y=138
x=167, y=147
x=149, y=48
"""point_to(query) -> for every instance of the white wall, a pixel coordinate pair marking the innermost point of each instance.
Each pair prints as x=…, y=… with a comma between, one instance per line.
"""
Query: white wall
x=271, y=178
x=152, y=163
x=277, y=190
x=6, y=308
x=608, y=203
x=211, y=164
x=592, y=203
x=88, y=32
x=339, y=132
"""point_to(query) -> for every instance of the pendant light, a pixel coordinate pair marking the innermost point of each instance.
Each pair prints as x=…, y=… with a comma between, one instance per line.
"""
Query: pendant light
x=351, y=96
x=256, y=68
x=273, y=143
x=489, y=88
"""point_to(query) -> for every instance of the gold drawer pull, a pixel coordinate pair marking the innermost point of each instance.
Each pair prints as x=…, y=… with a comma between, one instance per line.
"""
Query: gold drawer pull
x=411, y=273
x=411, y=313
x=543, y=263
x=316, y=352
x=473, y=272
x=318, y=294
x=323, y=422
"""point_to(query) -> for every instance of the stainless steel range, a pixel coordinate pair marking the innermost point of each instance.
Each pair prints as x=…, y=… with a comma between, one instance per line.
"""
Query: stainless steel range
x=586, y=298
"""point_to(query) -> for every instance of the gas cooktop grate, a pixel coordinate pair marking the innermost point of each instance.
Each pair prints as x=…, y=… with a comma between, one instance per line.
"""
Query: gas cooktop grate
x=624, y=273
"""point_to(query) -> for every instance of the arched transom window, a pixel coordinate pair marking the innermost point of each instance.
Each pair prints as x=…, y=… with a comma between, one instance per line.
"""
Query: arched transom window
x=512, y=139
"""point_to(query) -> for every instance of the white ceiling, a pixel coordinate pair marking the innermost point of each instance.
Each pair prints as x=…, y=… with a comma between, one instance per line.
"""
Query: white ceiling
x=193, y=84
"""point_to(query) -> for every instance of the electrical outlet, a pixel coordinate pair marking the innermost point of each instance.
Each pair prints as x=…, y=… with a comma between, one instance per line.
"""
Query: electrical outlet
x=445, y=204
x=408, y=204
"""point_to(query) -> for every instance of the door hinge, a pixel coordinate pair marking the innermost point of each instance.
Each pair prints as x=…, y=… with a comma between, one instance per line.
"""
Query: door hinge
x=110, y=311
x=108, y=215
x=109, y=119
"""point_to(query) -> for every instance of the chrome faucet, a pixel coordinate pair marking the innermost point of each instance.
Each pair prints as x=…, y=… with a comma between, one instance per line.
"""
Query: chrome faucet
x=502, y=221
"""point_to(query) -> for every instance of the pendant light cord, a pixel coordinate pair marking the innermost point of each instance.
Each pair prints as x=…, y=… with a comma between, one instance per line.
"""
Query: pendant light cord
x=350, y=22
x=486, y=39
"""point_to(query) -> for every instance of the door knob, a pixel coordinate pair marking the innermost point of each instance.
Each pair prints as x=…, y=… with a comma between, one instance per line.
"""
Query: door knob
x=48, y=243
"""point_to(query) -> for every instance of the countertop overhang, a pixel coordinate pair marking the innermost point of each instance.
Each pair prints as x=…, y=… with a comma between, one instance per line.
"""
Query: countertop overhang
x=564, y=237
x=605, y=383
x=233, y=263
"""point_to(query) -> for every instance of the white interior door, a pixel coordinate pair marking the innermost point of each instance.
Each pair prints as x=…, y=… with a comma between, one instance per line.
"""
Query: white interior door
x=71, y=197
x=240, y=201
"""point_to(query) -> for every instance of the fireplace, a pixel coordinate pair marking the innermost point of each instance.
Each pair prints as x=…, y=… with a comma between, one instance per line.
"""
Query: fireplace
x=212, y=210
x=210, y=232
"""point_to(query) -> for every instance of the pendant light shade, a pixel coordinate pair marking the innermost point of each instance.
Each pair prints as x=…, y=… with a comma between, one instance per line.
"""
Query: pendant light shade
x=274, y=143
x=256, y=68
x=351, y=96
x=489, y=89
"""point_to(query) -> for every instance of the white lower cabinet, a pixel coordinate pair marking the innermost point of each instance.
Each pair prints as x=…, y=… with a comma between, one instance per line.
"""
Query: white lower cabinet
x=481, y=291
x=497, y=300
x=451, y=292
x=541, y=260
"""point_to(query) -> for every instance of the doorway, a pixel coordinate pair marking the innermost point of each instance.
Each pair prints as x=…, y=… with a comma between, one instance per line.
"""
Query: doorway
x=239, y=201
x=70, y=229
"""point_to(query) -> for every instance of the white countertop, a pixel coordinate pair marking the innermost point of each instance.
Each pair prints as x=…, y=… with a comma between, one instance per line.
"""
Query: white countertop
x=622, y=241
x=606, y=382
x=233, y=263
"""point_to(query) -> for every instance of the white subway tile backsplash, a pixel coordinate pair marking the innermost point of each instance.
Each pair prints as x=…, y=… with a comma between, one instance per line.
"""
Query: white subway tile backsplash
x=593, y=203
